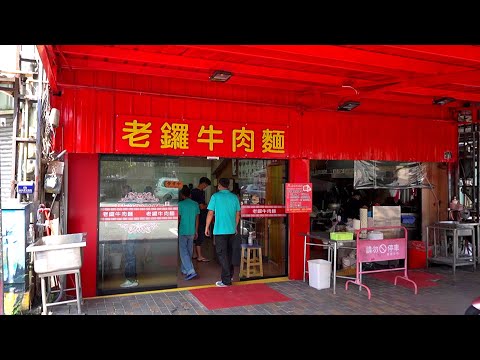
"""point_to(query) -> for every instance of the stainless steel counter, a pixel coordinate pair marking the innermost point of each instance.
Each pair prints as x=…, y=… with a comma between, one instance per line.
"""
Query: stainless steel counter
x=332, y=246
x=446, y=248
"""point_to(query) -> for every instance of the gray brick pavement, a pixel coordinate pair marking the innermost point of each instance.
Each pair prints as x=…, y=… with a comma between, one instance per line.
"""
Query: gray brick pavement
x=452, y=296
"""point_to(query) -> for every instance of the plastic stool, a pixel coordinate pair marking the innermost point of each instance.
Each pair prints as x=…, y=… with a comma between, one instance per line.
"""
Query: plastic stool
x=77, y=288
x=251, y=261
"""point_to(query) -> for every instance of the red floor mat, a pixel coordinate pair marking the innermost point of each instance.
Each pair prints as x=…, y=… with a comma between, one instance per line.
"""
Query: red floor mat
x=421, y=278
x=237, y=295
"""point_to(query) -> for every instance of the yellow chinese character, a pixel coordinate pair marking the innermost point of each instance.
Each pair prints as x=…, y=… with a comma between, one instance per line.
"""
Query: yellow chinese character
x=243, y=138
x=174, y=136
x=273, y=141
x=135, y=129
x=210, y=139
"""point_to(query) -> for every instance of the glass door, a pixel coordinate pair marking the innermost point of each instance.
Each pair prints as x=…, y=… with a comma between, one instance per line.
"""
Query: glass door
x=137, y=224
x=264, y=222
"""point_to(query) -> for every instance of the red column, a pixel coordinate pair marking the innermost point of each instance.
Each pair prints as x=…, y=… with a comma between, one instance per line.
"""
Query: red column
x=83, y=212
x=299, y=171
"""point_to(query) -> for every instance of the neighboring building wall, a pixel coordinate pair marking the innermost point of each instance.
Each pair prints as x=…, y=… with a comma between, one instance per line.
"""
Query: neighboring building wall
x=6, y=158
x=6, y=131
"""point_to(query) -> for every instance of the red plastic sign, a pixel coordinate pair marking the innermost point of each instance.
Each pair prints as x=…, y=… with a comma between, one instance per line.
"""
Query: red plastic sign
x=298, y=197
x=265, y=211
x=138, y=213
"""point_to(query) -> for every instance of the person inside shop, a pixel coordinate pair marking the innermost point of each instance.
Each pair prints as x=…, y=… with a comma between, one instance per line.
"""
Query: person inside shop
x=126, y=189
x=202, y=221
x=130, y=243
x=353, y=205
x=225, y=206
x=198, y=195
x=188, y=212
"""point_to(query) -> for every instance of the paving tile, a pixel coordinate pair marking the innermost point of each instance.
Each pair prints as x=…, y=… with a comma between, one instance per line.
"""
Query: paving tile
x=451, y=296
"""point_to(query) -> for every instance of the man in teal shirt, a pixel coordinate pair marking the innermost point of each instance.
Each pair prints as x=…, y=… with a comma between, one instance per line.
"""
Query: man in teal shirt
x=188, y=212
x=226, y=207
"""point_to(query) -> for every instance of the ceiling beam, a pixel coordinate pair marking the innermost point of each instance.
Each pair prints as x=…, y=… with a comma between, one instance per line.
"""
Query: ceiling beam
x=447, y=52
x=302, y=59
x=439, y=92
x=206, y=65
x=97, y=65
x=49, y=65
x=365, y=57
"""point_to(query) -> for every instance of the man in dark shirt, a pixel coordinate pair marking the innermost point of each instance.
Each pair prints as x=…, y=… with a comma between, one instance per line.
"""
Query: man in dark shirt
x=353, y=205
x=198, y=195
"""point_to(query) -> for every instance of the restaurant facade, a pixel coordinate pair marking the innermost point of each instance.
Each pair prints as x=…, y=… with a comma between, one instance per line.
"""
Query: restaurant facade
x=150, y=135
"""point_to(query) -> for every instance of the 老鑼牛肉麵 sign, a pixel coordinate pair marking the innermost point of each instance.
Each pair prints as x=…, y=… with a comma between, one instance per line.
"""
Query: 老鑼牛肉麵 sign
x=156, y=135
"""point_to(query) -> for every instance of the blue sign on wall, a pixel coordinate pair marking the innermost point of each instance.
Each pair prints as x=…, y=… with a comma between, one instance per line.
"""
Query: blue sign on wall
x=25, y=187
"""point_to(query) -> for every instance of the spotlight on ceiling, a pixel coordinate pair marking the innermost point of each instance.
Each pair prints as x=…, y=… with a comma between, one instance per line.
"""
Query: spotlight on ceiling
x=348, y=105
x=442, y=100
x=220, y=76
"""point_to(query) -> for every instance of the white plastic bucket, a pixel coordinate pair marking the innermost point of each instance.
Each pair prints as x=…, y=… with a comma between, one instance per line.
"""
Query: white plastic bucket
x=115, y=260
x=319, y=272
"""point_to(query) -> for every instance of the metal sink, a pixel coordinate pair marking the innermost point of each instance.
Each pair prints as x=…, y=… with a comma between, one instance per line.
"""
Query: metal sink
x=58, y=252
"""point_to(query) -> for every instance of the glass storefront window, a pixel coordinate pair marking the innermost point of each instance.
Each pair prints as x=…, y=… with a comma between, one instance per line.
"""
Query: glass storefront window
x=138, y=223
x=138, y=239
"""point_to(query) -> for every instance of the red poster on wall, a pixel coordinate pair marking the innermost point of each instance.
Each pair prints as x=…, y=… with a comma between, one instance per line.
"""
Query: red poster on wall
x=298, y=197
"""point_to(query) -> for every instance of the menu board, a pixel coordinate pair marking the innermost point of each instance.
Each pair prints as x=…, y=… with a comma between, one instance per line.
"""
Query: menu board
x=298, y=197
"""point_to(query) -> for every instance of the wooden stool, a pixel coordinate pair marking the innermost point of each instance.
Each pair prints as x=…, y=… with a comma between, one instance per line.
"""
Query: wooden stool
x=251, y=261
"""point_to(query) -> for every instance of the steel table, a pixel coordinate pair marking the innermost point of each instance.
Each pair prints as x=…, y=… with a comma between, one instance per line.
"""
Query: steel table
x=332, y=246
x=454, y=230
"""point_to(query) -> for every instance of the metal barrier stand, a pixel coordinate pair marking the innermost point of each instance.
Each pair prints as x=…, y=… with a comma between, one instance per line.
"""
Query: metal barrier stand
x=381, y=250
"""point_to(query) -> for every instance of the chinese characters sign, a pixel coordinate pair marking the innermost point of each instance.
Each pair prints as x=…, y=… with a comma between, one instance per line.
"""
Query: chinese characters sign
x=150, y=135
x=263, y=211
x=298, y=197
x=381, y=250
x=138, y=213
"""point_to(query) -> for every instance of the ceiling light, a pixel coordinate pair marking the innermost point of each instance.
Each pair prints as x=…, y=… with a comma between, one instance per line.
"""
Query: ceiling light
x=443, y=100
x=220, y=76
x=348, y=105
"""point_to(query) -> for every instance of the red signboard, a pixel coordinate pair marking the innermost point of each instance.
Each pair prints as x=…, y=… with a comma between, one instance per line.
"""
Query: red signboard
x=263, y=211
x=298, y=197
x=138, y=213
x=151, y=135
x=381, y=250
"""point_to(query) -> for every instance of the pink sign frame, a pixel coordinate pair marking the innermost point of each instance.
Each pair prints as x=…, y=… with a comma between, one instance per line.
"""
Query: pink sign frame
x=381, y=250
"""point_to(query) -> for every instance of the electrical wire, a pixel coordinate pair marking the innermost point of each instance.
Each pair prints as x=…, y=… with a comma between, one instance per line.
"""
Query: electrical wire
x=351, y=87
x=436, y=198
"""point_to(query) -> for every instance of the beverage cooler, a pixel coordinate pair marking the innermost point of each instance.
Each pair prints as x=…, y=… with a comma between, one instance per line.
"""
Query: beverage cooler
x=15, y=226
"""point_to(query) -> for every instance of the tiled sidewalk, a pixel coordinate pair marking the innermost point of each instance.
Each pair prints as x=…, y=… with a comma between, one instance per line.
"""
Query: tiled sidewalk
x=451, y=296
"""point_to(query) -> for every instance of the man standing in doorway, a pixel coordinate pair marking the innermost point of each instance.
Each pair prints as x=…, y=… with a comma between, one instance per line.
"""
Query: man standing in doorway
x=198, y=195
x=226, y=207
x=187, y=231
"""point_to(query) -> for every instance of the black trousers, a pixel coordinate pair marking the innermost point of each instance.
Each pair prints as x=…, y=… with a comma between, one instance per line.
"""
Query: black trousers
x=224, y=249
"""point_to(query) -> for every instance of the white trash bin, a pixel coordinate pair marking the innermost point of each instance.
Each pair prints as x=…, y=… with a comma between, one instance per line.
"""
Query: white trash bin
x=115, y=260
x=319, y=273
